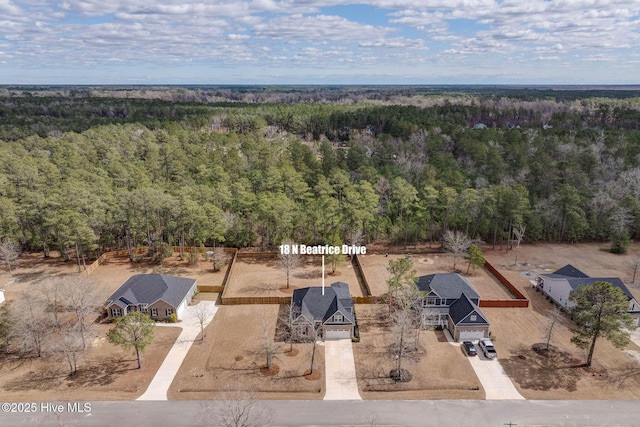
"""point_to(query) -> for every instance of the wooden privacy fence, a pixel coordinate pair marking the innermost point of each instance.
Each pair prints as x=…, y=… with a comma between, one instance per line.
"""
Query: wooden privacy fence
x=504, y=303
x=364, y=285
x=255, y=300
x=519, y=301
x=110, y=255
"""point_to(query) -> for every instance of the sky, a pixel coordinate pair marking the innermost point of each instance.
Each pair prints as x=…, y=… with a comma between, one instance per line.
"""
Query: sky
x=320, y=42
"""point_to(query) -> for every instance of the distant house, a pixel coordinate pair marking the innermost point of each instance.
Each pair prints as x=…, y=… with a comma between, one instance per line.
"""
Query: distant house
x=158, y=295
x=559, y=284
x=332, y=312
x=451, y=302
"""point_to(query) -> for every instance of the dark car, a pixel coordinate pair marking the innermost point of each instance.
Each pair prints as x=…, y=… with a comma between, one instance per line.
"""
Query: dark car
x=469, y=348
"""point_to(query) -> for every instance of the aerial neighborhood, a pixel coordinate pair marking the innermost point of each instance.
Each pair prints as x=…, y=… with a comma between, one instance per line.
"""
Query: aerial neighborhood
x=392, y=244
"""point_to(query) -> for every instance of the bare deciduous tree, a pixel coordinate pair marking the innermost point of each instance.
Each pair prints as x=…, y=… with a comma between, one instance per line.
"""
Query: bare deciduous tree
x=30, y=323
x=288, y=260
x=268, y=346
x=9, y=251
x=69, y=345
x=202, y=313
x=219, y=258
x=555, y=317
x=518, y=235
x=457, y=243
x=81, y=295
x=236, y=409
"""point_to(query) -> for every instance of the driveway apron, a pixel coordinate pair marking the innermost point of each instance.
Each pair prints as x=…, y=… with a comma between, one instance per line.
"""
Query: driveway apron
x=340, y=371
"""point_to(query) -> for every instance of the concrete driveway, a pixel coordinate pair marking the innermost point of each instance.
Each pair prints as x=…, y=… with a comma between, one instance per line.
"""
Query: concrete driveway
x=495, y=381
x=190, y=325
x=1, y=296
x=340, y=371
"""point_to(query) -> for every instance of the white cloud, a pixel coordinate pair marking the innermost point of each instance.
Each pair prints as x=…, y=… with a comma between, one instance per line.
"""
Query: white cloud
x=456, y=36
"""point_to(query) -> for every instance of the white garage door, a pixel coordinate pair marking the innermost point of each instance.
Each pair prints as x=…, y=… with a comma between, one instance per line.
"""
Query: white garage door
x=471, y=335
x=336, y=334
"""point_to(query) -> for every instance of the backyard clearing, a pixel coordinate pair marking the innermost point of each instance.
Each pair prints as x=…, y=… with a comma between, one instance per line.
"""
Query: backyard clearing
x=106, y=372
x=231, y=358
x=375, y=271
x=266, y=278
x=558, y=373
x=439, y=370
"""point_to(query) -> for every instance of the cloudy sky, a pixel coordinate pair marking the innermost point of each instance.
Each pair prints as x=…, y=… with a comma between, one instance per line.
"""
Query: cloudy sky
x=320, y=41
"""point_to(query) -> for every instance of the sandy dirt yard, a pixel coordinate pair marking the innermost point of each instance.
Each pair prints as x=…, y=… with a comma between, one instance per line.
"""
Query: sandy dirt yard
x=267, y=278
x=439, y=370
x=375, y=270
x=231, y=357
x=30, y=268
x=106, y=371
x=615, y=374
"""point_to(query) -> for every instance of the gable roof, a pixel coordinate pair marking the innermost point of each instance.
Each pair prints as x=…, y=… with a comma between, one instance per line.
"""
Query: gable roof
x=315, y=306
x=447, y=285
x=461, y=311
x=149, y=288
x=571, y=271
x=615, y=281
x=575, y=278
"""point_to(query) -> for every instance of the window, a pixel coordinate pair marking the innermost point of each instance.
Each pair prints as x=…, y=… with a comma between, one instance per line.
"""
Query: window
x=115, y=312
x=474, y=317
x=144, y=308
x=154, y=312
x=170, y=311
x=338, y=318
x=431, y=300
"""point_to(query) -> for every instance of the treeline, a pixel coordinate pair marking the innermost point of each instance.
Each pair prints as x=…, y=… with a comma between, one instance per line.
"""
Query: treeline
x=162, y=173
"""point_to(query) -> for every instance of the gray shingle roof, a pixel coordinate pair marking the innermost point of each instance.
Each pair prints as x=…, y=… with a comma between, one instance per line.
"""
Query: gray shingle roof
x=149, y=288
x=461, y=310
x=571, y=271
x=447, y=285
x=315, y=306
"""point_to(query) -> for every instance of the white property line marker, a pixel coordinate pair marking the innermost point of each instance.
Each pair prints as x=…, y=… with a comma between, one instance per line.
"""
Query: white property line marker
x=322, y=275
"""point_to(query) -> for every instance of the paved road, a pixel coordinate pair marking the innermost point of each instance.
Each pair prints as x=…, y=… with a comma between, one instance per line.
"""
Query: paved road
x=340, y=371
x=495, y=381
x=436, y=413
x=190, y=325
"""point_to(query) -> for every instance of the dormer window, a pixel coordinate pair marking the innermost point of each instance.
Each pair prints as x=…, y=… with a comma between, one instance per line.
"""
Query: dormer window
x=474, y=317
x=338, y=318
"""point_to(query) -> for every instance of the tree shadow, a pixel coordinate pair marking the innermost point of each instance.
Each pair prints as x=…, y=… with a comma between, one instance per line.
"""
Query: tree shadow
x=536, y=368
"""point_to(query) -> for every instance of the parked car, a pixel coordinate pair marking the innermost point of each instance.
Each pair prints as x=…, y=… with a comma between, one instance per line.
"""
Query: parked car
x=487, y=348
x=469, y=348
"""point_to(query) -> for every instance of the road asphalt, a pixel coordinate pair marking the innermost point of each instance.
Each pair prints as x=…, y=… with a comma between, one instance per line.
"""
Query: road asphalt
x=190, y=325
x=340, y=371
x=495, y=381
x=428, y=413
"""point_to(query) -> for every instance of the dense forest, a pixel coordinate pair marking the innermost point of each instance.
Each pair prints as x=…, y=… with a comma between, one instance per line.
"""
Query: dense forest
x=83, y=169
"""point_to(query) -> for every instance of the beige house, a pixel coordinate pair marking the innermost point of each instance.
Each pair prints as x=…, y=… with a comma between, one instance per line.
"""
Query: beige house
x=158, y=295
